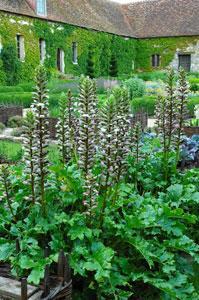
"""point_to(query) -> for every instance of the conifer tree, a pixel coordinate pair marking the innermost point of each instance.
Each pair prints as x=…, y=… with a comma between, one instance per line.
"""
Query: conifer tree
x=90, y=66
x=113, y=68
x=11, y=64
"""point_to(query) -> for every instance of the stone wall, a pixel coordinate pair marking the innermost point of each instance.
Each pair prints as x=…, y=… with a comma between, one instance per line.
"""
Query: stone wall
x=193, y=50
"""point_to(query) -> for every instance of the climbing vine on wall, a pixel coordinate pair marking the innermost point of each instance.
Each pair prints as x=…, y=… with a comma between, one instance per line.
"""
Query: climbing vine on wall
x=128, y=52
x=62, y=36
x=166, y=47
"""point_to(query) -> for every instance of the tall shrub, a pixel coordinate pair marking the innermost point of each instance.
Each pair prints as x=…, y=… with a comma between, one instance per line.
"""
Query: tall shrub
x=90, y=66
x=11, y=64
x=135, y=86
x=2, y=73
x=113, y=68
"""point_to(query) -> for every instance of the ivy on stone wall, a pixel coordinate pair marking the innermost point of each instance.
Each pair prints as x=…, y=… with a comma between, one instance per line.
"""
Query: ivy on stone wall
x=129, y=53
x=62, y=36
x=165, y=47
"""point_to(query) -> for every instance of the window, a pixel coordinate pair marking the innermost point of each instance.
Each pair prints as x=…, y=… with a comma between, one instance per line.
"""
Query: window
x=75, y=56
x=155, y=60
x=41, y=7
x=185, y=61
x=60, y=60
x=42, y=49
x=20, y=47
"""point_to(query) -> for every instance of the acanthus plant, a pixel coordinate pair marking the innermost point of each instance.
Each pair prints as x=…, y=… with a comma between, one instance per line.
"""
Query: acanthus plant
x=29, y=150
x=107, y=143
x=181, y=94
x=170, y=109
x=87, y=141
x=122, y=131
x=145, y=239
x=166, y=116
x=136, y=144
x=6, y=189
x=171, y=113
x=67, y=128
x=41, y=114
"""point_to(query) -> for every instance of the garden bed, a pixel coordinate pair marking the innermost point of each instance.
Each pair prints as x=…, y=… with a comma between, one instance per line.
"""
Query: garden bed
x=191, y=130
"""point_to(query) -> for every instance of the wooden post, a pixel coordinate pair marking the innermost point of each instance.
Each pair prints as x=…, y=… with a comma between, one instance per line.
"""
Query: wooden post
x=61, y=264
x=17, y=246
x=67, y=271
x=46, y=275
x=24, y=289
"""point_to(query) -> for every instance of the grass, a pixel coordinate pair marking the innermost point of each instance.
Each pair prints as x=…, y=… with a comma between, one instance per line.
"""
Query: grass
x=12, y=152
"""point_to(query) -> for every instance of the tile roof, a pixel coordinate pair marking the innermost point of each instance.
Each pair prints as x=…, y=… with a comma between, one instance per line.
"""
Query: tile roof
x=156, y=18
x=152, y=18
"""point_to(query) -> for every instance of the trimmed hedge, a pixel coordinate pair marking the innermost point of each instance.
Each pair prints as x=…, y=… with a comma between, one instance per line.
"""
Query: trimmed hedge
x=152, y=76
x=11, y=89
x=24, y=99
x=19, y=99
x=147, y=104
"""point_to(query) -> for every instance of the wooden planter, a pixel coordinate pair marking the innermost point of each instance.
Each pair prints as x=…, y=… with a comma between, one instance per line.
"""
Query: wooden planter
x=191, y=130
x=142, y=118
x=52, y=127
x=54, y=286
x=6, y=112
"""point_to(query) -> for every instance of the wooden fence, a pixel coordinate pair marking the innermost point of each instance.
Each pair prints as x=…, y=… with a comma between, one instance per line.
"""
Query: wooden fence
x=56, y=284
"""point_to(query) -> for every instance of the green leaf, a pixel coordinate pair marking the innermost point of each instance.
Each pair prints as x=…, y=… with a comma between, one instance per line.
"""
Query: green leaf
x=195, y=197
x=36, y=275
x=143, y=247
x=100, y=261
x=175, y=191
x=79, y=232
x=26, y=262
x=6, y=250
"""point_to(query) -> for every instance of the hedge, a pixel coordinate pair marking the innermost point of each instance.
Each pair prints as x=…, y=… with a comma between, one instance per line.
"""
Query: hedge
x=152, y=76
x=11, y=89
x=24, y=99
x=147, y=104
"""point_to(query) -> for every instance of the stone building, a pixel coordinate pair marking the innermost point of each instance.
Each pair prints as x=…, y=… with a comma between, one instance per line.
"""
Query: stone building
x=143, y=35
